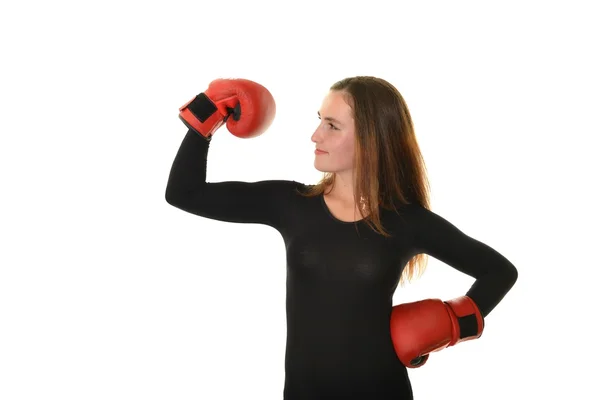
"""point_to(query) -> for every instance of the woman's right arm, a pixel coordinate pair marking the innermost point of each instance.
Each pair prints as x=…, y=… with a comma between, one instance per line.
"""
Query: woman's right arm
x=260, y=202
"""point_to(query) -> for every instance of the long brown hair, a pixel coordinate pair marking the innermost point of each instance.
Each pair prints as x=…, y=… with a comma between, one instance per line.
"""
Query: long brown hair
x=390, y=169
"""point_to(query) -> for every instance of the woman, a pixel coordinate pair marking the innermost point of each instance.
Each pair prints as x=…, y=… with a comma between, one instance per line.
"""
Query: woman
x=350, y=239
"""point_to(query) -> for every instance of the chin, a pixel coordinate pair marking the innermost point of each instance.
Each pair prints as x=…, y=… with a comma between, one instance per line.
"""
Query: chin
x=319, y=167
x=324, y=170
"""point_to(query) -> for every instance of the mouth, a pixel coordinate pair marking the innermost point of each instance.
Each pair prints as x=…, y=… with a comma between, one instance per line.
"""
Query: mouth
x=317, y=151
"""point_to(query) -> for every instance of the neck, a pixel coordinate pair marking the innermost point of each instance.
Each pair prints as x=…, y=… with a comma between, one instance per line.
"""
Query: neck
x=343, y=188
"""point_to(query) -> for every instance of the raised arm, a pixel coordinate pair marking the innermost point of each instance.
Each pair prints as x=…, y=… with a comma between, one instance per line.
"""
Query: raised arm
x=248, y=109
x=245, y=202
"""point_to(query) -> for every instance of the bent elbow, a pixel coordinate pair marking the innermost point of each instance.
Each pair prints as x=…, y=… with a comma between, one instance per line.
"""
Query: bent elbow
x=514, y=274
x=511, y=274
x=168, y=197
x=172, y=196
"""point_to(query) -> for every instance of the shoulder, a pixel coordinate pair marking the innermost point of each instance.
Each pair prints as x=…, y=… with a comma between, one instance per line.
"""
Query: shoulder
x=287, y=189
x=411, y=211
x=431, y=232
x=300, y=189
x=284, y=186
x=420, y=219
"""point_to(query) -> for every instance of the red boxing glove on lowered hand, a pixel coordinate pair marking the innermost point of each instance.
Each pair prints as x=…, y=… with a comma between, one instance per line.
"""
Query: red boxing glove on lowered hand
x=248, y=108
x=430, y=325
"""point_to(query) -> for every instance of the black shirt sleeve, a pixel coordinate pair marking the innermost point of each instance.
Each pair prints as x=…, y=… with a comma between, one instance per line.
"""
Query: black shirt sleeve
x=242, y=202
x=494, y=274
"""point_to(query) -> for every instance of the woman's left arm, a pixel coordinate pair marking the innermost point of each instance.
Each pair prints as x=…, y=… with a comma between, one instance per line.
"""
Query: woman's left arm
x=494, y=274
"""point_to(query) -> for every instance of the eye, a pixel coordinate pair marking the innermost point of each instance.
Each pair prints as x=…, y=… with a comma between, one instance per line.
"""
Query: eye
x=330, y=125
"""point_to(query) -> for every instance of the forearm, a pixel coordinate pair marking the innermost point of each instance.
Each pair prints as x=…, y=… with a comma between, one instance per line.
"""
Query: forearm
x=489, y=289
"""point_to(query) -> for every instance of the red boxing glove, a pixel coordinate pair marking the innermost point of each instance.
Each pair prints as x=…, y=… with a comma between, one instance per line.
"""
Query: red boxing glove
x=250, y=106
x=430, y=325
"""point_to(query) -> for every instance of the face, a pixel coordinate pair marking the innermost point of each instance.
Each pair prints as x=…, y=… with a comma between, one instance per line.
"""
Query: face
x=334, y=135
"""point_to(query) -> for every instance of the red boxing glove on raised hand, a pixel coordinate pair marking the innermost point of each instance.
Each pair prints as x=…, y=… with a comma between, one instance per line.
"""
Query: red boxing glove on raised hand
x=248, y=108
x=430, y=325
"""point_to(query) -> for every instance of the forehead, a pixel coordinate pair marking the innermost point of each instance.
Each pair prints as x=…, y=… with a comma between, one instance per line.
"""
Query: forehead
x=334, y=105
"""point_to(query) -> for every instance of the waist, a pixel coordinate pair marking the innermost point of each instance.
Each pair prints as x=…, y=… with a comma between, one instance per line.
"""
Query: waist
x=348, y=354
x=374, y=380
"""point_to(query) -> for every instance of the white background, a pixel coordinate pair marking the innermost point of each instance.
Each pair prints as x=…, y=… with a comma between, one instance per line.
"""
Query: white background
x=108, y=292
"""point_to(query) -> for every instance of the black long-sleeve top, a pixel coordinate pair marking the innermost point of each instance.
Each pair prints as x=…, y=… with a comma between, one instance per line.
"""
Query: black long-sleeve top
x=341, y=276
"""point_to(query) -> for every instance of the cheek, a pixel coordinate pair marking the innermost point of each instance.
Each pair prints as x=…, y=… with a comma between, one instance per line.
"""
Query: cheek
x=350, y=145
x=344, y=153
x=349, y=149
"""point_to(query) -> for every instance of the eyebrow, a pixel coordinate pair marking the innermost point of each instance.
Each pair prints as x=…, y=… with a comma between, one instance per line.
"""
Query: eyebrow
x=329, y=118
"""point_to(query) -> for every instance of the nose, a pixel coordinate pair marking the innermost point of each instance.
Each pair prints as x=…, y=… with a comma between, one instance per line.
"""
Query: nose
x=316, y=136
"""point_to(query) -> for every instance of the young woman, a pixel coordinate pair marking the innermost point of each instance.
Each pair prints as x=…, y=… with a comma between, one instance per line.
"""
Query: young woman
x=350, y=238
